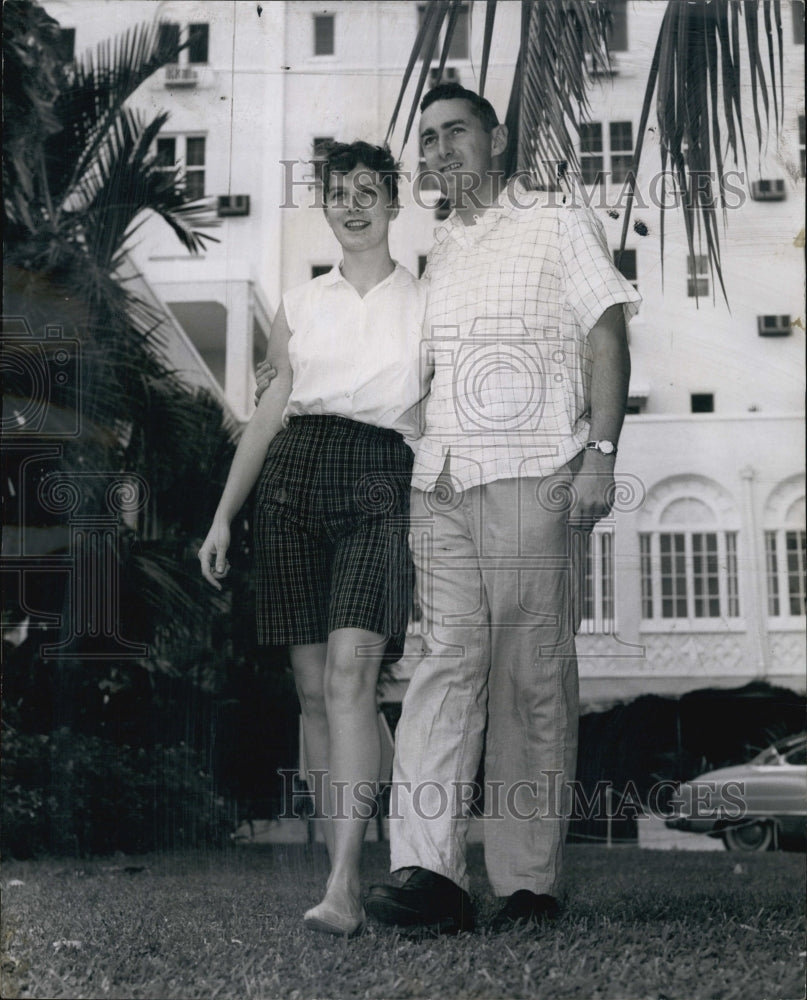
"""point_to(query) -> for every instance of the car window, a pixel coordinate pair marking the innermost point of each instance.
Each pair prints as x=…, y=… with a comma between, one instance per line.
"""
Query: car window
x=798, y=755
x=769, y=756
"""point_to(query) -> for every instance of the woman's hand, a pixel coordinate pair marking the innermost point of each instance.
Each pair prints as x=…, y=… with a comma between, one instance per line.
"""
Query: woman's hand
x=213, y=553
x=264, y=374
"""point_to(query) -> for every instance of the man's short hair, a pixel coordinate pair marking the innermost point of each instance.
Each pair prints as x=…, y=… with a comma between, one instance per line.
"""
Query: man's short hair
x=480, y=106
x=342, y=157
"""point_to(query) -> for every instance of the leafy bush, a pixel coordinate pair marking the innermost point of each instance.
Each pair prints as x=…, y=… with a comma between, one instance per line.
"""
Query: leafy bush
x=69, y=793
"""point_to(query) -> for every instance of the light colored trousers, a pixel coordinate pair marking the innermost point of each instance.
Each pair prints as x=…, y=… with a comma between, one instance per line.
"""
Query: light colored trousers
x=495, y=581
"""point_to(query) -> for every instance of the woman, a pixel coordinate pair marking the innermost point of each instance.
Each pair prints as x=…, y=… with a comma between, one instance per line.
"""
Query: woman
x=331, y=518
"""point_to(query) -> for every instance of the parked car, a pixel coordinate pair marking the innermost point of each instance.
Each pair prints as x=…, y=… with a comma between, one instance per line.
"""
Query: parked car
x=757, y=806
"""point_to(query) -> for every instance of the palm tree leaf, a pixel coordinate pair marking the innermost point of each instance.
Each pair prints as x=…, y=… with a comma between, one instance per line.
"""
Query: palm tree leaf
x=756, y=71
x=453, y=15
x=102, y=81
x=772, y=61
x=426, y=40
x=430, y=44
x=490, y=17
x=555, y=40
x=710, y=49
x=641, y=131
x=698, y=54
x=512, y=119
x=730, y=81
x=123, y=181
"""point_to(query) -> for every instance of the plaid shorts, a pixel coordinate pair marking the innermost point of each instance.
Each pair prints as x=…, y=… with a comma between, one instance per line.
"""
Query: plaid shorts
x=331, y=533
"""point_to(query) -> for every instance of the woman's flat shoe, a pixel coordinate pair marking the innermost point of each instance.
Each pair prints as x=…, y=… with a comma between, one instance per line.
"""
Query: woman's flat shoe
x=323, y=918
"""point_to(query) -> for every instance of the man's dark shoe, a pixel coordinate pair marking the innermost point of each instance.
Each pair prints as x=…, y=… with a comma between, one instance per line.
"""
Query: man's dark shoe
x=425, y=900
x=525, y=907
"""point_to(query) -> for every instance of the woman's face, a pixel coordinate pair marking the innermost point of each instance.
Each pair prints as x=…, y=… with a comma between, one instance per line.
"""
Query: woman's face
x=358, y=209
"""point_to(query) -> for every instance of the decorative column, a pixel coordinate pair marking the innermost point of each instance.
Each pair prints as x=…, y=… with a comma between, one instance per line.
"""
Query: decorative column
x=756, y=610
x=93, y=564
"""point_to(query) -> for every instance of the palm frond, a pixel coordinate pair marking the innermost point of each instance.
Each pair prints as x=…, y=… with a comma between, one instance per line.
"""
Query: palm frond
x=423, y=48
x=123, y=181
x=698, y=56
x=101, y=82
x=694, y=83
x=552, y=73
x=556, y=39
x=490, y=19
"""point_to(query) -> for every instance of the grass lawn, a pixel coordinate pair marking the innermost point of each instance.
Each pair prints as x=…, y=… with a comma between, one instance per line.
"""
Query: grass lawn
x=638, y=925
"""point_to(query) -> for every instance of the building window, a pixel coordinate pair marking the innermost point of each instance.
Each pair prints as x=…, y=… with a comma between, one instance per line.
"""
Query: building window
x=597, y=584
x=318, y=269
x=625, y=263
x=774, y=326
x=427, y=180
x=442, y=209
x=797, y=13
x=785, y=561
x=460, y=45
x=198, y=41
x=802, y=145
x=689, y=575
x=320, y=145
x=768, y=190
x=621, y=135
x=591, y=152
x=702, y=402
x=618, y=28
x=422, y=259
x=166, y=153
x=594, y=155
x=168, y=37
x=195, y=167
x=187, y=153
x=324, y=43
x=697, y=275
x=646, y=565
x=66, y=44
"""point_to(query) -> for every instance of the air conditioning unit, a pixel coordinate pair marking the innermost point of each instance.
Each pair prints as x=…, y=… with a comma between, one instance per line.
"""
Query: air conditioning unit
x=181, y=76
x=232, y=204
x=768, y=190
x=597, y=66
x=450, y=75
x=773, y=326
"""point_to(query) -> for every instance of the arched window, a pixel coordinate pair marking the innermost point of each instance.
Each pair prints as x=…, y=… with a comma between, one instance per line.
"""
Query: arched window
x=597, y=582
x=785, y=544
x=689, y=558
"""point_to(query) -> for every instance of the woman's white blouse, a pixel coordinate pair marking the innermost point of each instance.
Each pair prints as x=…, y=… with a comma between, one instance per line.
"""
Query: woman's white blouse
x=358, y=357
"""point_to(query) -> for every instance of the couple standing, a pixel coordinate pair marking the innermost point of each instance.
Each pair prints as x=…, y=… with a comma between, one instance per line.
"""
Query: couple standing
x=523, y=353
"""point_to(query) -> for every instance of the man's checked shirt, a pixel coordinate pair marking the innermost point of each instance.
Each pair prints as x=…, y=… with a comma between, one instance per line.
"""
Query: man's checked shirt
x=511, y=302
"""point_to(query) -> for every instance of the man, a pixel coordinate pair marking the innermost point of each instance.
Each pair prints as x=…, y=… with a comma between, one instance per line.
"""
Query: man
x=526, y=331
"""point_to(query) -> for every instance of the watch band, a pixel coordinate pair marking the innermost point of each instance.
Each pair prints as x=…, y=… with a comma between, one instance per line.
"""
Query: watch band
x=604, y=447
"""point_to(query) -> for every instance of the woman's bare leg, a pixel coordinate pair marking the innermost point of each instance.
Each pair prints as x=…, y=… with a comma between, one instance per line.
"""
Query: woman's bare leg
x=351, y=676
x=308, y=664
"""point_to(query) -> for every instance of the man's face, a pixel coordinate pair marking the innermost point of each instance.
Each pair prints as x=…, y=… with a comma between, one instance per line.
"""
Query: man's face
x=358, y=209
x=455, y=144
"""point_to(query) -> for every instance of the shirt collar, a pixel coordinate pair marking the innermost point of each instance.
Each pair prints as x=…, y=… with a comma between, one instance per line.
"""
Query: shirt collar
x=399, y=275
x=509, y=203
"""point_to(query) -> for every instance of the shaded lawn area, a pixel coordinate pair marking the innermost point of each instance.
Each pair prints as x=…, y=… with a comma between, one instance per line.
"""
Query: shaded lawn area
x=638, y=925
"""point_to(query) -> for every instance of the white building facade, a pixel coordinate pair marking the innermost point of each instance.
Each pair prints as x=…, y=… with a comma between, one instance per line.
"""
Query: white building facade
x=698, y=577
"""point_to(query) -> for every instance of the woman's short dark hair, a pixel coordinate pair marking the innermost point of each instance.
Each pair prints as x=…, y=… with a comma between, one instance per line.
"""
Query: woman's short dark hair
x=342, y=157
x=480, y=106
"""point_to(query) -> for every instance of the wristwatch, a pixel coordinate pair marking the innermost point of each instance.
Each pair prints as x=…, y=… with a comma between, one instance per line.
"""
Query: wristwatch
x=604, y=447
